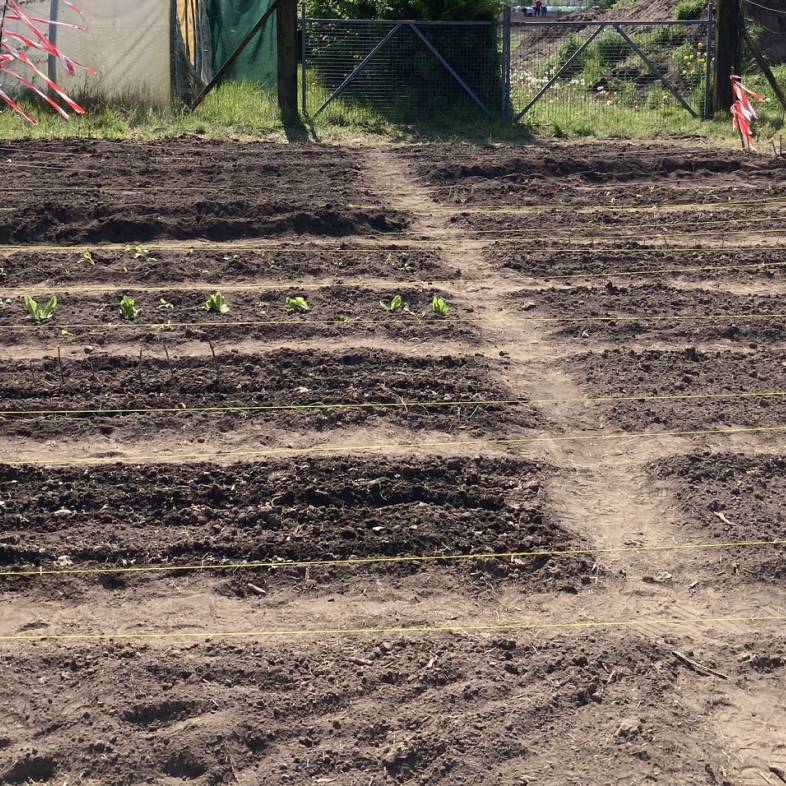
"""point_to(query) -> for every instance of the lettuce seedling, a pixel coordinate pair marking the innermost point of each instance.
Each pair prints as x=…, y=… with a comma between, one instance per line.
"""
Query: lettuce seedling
x=216, y=304
x=128, y=308
x=40, y=313
x=296, y=305
x=439, y=306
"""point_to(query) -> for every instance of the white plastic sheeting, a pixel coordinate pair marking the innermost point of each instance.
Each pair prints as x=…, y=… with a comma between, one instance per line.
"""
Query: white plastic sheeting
x=127, y=41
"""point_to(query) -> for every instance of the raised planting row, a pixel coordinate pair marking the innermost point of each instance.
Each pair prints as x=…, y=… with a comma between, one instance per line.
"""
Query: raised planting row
x=266, y=313
x=594, y=174
x=733, y=376
x=374, y=711
x=282, y=378
x=753, y=265
x=141, y=265
x=305, y=509
x=628, y=312
x=731, y=497
x=120, y=191
x=566, y=225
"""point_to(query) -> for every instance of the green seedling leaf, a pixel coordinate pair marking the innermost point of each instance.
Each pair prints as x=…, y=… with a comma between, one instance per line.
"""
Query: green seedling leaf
x=216, y=304
x=128, y=308
x=87, y=256
x=164, y=303
x=395, y=304
x=296, y=305
x=40, y=313
x=439, y=306
x=140, y=252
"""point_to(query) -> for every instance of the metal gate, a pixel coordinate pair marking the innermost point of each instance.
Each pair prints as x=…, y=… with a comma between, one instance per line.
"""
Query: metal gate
x=541, y=70
x=404, y=66
x=630, y=71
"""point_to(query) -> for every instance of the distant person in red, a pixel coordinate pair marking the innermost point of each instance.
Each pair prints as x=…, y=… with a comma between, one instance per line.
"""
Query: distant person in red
x=538, y=7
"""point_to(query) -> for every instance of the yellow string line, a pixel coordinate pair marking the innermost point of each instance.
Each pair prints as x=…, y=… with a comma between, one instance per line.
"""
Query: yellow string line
x=403, y=630
x=229, y=286
x=419, y=323
x=417, y=558
x=413, y=244
x=665, y=234
x=393, y=404
x=316, y=449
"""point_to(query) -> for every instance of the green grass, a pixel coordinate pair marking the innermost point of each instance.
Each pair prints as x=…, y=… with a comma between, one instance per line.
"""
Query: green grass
x=246, y=112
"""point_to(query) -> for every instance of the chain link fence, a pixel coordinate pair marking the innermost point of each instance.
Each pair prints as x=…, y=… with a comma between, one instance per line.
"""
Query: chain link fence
x=407, y=69
x=558, y=74
x=564, y=74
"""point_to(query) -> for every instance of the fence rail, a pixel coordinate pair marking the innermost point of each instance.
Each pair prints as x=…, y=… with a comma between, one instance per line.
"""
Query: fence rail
x=546, y=71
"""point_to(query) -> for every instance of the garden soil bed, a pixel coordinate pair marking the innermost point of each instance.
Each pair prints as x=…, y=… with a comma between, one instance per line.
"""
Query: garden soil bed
x=730, y=497
x=571, y=265
x=193, y=669
x=684, y=373
x=593, y=174
x=646, y=310
x=290, y=262
x=337, y=310
x=282, y=378
x=391, y=712
x=89, y=191
x=299, y=510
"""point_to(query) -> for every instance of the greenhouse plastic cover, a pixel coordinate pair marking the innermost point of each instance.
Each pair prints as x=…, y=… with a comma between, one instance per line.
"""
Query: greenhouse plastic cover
x=127, y=42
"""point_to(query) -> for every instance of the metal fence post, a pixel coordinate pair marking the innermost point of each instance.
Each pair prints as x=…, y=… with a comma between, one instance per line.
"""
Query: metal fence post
x=709, y=55
x=506, y=63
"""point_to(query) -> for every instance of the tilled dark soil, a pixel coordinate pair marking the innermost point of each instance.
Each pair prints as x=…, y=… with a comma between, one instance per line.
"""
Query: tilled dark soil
x=122, y=191
x=574, y=264
x=684, y=373
x=333, y=311
x=566, y=226
x=369, y=711
x=732, y=497
x=647, y=309
x=593, y=173
x=289, y=262
x=295, y=510
x=282, y=378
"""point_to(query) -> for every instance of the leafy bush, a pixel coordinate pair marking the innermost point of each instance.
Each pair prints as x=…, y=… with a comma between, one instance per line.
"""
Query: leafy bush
x=690, y=9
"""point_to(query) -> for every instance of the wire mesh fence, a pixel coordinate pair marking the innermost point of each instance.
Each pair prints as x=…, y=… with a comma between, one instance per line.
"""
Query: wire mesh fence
x=553, y=73
x=565, y=74
x=406, y=69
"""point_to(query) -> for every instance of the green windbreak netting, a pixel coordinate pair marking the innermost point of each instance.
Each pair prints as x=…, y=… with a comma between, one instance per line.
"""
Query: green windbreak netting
x=230, y=21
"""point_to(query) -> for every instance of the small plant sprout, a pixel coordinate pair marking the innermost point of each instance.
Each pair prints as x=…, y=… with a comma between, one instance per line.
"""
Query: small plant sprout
x=140, y=252
x=296, y=305
x=395, y=304
x=216, y=304
x=164, y=303
x=40, y=313
x=128, y=308
x=439, y=306
x=87, y=256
